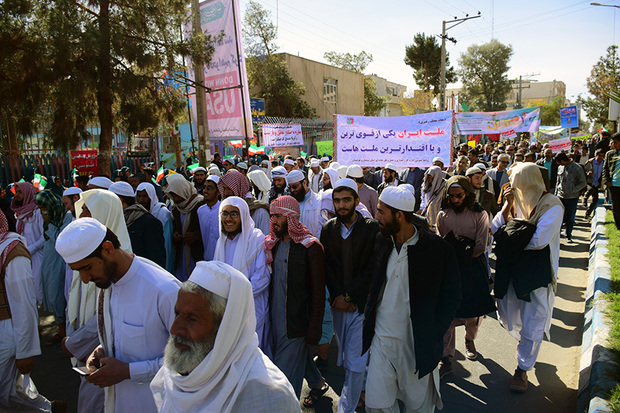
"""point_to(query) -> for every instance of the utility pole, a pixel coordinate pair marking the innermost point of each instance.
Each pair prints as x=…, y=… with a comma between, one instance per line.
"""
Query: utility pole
x=519, y=103
x=202, y=123
x=444, y=29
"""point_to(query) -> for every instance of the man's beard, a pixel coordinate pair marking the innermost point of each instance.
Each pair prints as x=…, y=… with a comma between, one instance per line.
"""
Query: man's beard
x=299, y=196
x=109, y=269
x=185, y=361
x=458, y=209
x=282, y=231
x=346, y=217
x=327, y=186
x=389, y=229
x=389, y=179
x=146, y=205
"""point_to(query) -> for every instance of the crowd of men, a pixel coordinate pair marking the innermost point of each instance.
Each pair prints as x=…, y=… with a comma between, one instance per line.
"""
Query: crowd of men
x=222, y=289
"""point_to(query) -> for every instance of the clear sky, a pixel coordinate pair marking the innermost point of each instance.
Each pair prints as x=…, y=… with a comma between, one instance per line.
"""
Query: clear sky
x=559, y=39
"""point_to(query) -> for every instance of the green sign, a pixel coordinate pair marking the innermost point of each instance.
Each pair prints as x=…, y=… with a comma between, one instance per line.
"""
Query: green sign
x=325, y=147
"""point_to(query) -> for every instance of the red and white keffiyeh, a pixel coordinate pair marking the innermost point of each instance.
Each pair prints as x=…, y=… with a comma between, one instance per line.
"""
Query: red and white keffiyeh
x=27, y=208
x=5, y=235
x=289, y=207
x=236, y=181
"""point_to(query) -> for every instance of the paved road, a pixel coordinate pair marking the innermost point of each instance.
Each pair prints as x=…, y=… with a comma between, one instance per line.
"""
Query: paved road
x=474, y=386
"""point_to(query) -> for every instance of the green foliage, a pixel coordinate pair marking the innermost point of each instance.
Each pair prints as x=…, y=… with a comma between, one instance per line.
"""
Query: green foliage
x=353, y=62
x=424, y=56
x=373, y=103
x=268, y=74
x=613, y=298
x=603, y=80
x=549, y=111
x=483, y=71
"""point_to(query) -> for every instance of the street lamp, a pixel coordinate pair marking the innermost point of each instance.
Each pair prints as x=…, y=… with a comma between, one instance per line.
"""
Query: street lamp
x=615, y=6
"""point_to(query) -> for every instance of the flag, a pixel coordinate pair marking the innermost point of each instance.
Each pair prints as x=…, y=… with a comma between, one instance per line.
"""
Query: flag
x=160, y=174
x=74, y=175
x=237, y=144
x=256, y=150
x=303, y=154
x=39, y=182
x=602, y=129
x=193, y=166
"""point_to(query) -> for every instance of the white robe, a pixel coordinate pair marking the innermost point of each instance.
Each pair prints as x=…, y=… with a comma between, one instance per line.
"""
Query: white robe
x=209, y=218
x=310, y=211
x=141, y=312
x=35, y=238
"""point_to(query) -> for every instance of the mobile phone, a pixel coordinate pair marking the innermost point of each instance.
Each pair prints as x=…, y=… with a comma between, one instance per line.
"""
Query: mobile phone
x=82, y=370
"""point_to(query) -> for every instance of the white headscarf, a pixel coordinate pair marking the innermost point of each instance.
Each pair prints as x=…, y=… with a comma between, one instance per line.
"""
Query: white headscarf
x=156, y=206
x=216, y=383
x=327, y=205
x=251, y=240
x=333, y=176
x=259, y=178
x=528, y=186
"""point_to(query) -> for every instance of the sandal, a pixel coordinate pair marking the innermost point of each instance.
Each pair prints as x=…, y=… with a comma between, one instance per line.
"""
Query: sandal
x=315, y=394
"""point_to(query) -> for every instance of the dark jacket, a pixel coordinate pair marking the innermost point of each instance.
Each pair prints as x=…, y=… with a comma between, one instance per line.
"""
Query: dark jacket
x=554, y=171
x=611, y=157
x=363, y=240
x=305, y=292
x=147, y=239
x=196, y=248
x=434, y=294
x=415, y=178
x=488, y=202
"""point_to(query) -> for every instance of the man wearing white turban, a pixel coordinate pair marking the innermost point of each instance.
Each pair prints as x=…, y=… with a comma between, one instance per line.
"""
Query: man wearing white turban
x=243, y=246
x=432, y=189
x=212, y=362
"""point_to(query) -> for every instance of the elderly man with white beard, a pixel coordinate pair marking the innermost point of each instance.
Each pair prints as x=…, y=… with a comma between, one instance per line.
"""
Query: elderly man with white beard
x=212, y=362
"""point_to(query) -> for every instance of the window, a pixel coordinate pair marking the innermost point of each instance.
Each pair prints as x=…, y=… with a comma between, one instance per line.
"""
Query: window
x=390, y=91
x=330, y=90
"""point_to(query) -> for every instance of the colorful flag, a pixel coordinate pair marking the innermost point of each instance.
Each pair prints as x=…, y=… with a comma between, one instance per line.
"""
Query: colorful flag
x=303, y=154
x=602, y=129
x=160, y=174
x=237, y=144
x=39, y=182
x=256, y=150
x=193, y=166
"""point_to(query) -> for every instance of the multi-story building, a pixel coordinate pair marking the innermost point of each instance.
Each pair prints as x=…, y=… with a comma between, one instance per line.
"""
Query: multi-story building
x=394, y=91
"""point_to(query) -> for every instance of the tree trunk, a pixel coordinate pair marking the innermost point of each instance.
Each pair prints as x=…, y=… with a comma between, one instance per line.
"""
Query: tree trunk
x=176, y=140
x=104, y=90
x=13, y=151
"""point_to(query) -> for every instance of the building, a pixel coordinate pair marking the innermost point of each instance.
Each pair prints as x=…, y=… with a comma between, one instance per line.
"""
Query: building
x=330, y=90
x=534, y=93
x=394, y=91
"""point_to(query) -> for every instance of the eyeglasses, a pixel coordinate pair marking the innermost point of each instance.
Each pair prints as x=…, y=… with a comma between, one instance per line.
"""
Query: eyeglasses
x=457, y=196
x=232, y=214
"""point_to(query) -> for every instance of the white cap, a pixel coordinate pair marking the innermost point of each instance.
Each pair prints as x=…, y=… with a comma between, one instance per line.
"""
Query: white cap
x=294, y=176
x=242, y=165
x=334, y=165
x=213, y=178
x=438, y=159
x=398, y=198
x=355, y=171
x=481, y=166
x=472, y=171
x=408, y=187
x=278, y=172
x=200, y=168
x=74, y=190
x=265, y=162
x=314, y=163
x=391, y=167
x=122, y=188
x=230, y=160
x=289, y=162
x=325, y=159
x=79, y=239
x=342, y=171
x=346, y=182
x=101, y=182
x=212, y=276
x=214, y=170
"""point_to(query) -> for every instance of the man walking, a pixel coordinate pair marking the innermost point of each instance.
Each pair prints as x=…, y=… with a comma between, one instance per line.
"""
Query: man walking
x=611, y=177
x=348, y=240
x=571, y=182
x=414, y=295
x=594, y=175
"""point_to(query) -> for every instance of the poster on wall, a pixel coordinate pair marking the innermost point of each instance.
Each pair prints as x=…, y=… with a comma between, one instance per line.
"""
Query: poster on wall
x=282, y=135
x=403, y=140
x=84, y=161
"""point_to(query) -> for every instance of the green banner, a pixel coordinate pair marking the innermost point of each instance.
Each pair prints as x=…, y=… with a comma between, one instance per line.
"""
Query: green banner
x=582, y=137
x=325, y=147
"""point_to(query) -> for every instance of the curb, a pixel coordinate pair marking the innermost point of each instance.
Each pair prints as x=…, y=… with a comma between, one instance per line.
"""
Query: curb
x=598, y=364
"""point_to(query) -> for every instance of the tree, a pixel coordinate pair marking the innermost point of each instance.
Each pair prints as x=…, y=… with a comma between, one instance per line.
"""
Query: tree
x=421, y=101
x=603, y=80
x=268, y=74
x=424, y=56
x=103, y=58
x=549, y=111
x=373, y=102
x=483, y=71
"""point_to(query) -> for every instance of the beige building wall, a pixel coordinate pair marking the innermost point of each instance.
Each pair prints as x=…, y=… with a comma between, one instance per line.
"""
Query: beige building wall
x=346, y=98
x=395, y=92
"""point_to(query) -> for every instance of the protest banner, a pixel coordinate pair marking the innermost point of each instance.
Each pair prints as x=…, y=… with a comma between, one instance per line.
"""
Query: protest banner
x=258, y=109
x=84, y=161
x=325, y=147
x=560, y=145
x=282, y=135
x=568, y=117
x=403, y=140
x=518, y=120
x=581, y=137
x=227, y=93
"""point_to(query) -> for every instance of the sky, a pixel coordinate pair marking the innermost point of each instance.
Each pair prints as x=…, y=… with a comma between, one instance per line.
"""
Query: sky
x=553, y=40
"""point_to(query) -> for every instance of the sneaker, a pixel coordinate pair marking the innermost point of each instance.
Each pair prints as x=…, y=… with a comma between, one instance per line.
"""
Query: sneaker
x=445, y=367
x=518, y=384
x=470, y=350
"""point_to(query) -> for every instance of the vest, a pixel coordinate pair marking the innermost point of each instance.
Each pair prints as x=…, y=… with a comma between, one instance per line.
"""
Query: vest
x=19, y=251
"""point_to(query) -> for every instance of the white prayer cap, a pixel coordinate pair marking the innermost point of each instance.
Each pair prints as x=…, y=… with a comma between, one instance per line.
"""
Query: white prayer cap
x=242, y=165
x=213, y=276
x=79, y=239
x=472, y=171
x=334, y=165
x=265, y=162
x=294, y=176
x=101, y=182
x=355, y=171
x=438, y=159
x=214, y=170
x=200, y=168
x=278, y=172
x=213, y=178
x=325, y=159
x=480, y=166
x=391, y=167
x=347, y=183
x=289, y=162
x=408, y=187
x=230, y=161
x=74, y=190
x=122, y=188
x=314, y=163
x=398, y=198
x=342, y=171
